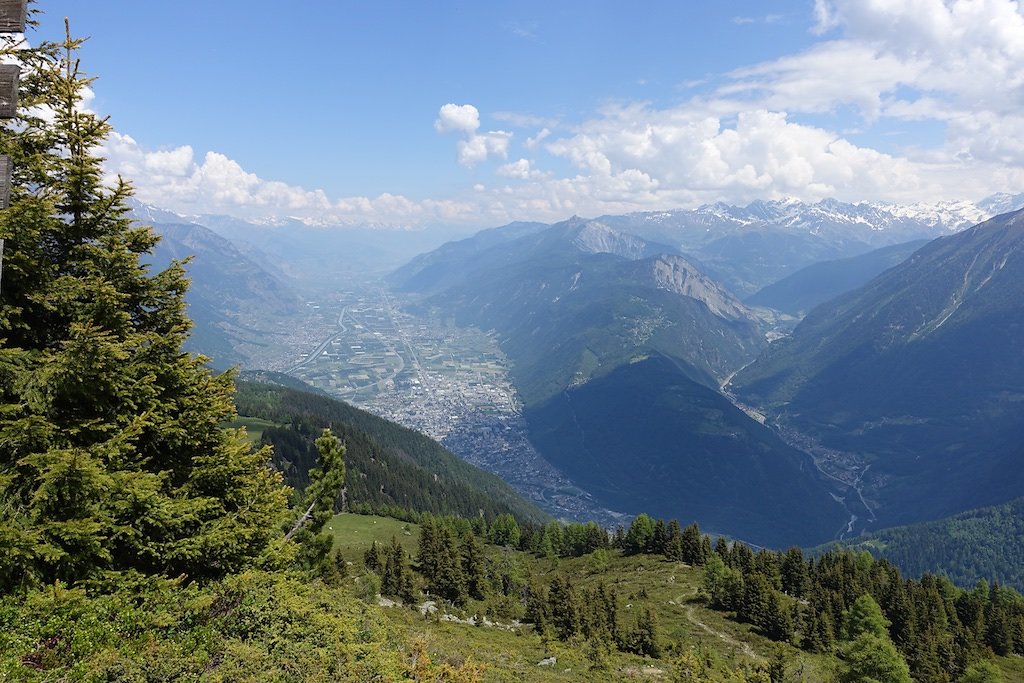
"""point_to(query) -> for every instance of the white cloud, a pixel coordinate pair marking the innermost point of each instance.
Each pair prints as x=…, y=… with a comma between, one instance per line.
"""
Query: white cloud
x=686, y=153
x=521, y=169
x=543, y=134
x=175, y=179
x=825, y=19
x=463, y=118
x=475, y=147
x=966, y=56
x=809, y=124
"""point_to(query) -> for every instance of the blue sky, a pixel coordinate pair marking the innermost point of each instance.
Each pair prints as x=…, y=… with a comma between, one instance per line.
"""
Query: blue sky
x=415, y=113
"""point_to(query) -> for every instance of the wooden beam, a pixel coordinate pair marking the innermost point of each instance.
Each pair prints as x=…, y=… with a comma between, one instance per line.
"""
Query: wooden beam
x=9, y=74
x=5, y=198
x=5, y=181
x=12, y=16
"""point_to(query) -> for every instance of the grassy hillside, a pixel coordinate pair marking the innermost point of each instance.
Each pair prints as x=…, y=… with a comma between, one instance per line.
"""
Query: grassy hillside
x=286, y=626
x=389, y=467
x=697, y=643
x=511, y=651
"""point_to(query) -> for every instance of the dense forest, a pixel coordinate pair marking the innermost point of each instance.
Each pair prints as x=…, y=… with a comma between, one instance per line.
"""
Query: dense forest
x=392, y=470
x=988, y=542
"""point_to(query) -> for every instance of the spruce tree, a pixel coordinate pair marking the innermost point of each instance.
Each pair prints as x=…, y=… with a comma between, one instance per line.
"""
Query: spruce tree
x=373, y=559
x=674, y=541
x=473, y=569
x=112, y=455
x=692, y=546
x=317, y=503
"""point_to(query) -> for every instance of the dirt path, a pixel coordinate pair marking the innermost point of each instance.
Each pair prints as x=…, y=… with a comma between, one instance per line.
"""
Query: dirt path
x=741, y=646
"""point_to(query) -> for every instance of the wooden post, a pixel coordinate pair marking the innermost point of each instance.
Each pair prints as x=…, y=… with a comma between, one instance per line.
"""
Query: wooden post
x=12, y=16
x=5, y=198
x=9, y=75
x=12, y=20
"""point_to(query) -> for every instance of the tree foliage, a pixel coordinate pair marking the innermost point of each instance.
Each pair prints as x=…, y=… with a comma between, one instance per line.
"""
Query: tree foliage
x=112, y=456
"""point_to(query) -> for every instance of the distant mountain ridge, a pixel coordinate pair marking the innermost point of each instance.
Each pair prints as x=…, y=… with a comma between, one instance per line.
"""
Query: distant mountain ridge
x=313, y=252
x=575, y=300
x=231, y=298
x=817, y=283
x=750, y=247
x=920, y=372
x=617, y=347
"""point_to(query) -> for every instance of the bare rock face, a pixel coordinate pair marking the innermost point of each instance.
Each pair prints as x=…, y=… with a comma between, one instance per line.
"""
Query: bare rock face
x=597, y=238
x=677, y=275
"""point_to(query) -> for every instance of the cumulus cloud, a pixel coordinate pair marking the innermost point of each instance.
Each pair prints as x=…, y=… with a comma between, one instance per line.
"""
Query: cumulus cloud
x=763, y=154
x=947, y=60
x=177, y=180
x=475, y=147
x=807, y=125
x=463, y=118
x=763, y=130
x=521, y=169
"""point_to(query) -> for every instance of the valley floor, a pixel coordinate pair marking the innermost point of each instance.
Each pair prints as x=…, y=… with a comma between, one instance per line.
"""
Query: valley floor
x=448, y=382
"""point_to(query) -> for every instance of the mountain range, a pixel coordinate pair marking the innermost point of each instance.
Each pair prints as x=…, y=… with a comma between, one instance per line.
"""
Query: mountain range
x=232, y=300
x=617, y=348
x=905, y=368
x=815, y=284
x=750, y=247
x=918, y=374
x=576, y=300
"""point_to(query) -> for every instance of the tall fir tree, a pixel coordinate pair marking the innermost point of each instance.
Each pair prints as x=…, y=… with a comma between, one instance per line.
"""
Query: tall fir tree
x=317, y=503
x=112, y=456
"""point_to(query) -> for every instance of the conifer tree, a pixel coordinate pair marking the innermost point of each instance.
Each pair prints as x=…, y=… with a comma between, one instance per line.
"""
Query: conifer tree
x=865, y=616
x=396, y=579
x=674, y=541
x=566, y=611
x=640, y=537
x=428, y=551
x=317, y=502
x=693, y=548
x=112, y=456
x=373, y=559
x=449, y=582
x=659, y=538
x=645, y=639
x=473, y=569
x=870, y=654
x=794, y=573
x=504, y=531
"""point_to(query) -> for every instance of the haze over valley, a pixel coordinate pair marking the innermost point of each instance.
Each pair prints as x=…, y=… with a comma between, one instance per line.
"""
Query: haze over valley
x=489, y=342
x=590, y=367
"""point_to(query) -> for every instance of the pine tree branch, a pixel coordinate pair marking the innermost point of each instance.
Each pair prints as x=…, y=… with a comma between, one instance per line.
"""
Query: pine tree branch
x=301, y=521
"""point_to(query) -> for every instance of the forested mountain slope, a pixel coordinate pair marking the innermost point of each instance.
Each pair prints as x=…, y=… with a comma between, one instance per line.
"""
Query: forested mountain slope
x=647, y=437
x=390, y=468
x=919, y=373
x=987, y=543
